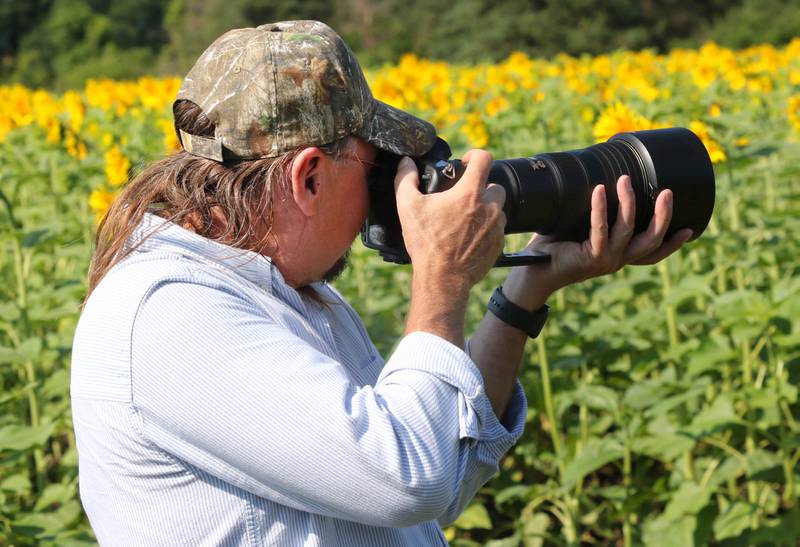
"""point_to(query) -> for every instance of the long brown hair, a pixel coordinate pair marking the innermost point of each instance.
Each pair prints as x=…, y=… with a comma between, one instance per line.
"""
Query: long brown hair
x=183, y=189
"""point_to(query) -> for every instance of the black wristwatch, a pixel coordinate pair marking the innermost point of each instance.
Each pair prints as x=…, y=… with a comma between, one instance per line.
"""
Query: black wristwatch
x=529, y=322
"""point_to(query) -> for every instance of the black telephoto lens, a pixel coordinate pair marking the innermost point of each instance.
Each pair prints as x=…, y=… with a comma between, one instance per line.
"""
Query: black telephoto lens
x=551, y=193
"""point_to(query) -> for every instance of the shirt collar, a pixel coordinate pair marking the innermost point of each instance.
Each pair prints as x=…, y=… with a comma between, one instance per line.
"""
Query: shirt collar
x=158, y=234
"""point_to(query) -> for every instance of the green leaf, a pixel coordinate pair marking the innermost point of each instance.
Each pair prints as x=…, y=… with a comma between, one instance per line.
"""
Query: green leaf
x=54, y=493
x=708, y=357
x=57, y=385
x=781, y=531
x=474, y=516
x=759, y=462
x=511, y=541
x=689, y=287
x=70, y=458
x=597, y=397
x=9, y=311
x=16, y=484
x=516, y=492
x=785, y=288
x=37, y=524
x=719, y=413
x=569, y=363
x=664, y=405
x=16, y=393
x=597, y=453
x=34, y=237
x=665, y=532
x=730, y=468
x=734, y=521
x=614, y=492
x=10, y=356
x=689, y=499
x=31, y=348
x=53, y=313
x=643, y=395
x=534, y=530
x=16, y=437
x=666, y=447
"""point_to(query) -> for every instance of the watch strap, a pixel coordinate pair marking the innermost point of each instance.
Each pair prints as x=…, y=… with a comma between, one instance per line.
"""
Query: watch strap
x=529, y=322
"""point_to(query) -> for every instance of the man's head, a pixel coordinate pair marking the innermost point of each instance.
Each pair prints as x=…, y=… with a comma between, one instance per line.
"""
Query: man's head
x=276, y=123
x=295, y=86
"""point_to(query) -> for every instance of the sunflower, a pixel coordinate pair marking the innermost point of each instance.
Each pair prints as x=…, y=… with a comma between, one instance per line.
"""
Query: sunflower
x=618, y=118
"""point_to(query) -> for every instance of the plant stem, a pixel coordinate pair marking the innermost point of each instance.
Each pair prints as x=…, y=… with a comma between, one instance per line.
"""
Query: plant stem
x=666, y=287
x=626, y=482
x=787, y=426
x=19, y=268
x=547, y=392
x=749, y=443
x=33, y=409
x=747, y=367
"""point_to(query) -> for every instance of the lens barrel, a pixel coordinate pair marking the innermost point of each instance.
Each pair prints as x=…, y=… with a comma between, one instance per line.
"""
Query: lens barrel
x=551, y=193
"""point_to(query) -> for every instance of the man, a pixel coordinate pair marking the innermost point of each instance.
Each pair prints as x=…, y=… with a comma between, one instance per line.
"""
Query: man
x=223, y=394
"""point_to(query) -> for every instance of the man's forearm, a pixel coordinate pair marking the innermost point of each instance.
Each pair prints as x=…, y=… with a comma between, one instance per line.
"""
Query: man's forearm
x=438, y=308
x=497, y=348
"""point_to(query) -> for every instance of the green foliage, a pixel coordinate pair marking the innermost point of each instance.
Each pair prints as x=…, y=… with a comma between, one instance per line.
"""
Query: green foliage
x=75, y=40
x=43, y=254
x=757, y=21
x=60, y=43
x=663, y=401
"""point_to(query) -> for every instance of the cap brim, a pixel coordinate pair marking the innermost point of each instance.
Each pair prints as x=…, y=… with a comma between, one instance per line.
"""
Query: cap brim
x=397, y=131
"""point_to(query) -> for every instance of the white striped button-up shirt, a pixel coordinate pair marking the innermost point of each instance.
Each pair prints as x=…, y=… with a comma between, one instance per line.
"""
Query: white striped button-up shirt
x=215, y=405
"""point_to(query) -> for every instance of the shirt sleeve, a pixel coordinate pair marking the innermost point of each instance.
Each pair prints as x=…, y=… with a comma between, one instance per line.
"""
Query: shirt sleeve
x=224, y=386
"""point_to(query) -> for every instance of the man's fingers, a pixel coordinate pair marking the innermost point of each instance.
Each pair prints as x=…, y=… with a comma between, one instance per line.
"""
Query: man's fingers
x=626, y=217
x=406, y=181
x=473, y=180
x=598, y=233
x=667, y=248
x=648, y=241
x=663, y=214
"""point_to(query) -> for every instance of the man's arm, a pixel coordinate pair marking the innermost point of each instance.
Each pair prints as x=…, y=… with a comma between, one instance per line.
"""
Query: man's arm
x=453, y=239
x=496, y=348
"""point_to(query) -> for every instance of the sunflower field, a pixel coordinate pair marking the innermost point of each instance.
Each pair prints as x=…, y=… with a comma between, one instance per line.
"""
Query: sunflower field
x=663, y=400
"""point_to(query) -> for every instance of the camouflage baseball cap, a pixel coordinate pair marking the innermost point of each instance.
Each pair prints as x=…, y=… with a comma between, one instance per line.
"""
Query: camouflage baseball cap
x=283, y=85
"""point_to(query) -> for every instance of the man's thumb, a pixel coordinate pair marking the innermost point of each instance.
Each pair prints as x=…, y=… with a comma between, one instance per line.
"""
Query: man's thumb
x=406, y=181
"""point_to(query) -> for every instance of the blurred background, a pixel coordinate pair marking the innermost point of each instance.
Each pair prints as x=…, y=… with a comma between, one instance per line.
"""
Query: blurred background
x=663, y=401
x=58, y=44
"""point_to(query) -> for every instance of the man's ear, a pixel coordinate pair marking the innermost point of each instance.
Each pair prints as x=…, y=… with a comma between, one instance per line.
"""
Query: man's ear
x=306, y=173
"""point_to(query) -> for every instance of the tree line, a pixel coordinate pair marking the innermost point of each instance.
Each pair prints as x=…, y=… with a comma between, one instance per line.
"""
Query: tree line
x=58, y=44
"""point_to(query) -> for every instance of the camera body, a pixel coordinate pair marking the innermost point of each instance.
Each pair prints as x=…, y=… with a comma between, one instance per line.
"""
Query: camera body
x=550, y=193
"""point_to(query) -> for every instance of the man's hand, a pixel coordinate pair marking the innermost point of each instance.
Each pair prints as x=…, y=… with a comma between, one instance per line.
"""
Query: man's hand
x=453, y=238
x=457, y=233
x=602, y=253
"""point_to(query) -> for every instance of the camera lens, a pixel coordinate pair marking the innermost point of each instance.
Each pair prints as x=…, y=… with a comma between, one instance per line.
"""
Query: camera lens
x=551, y=193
